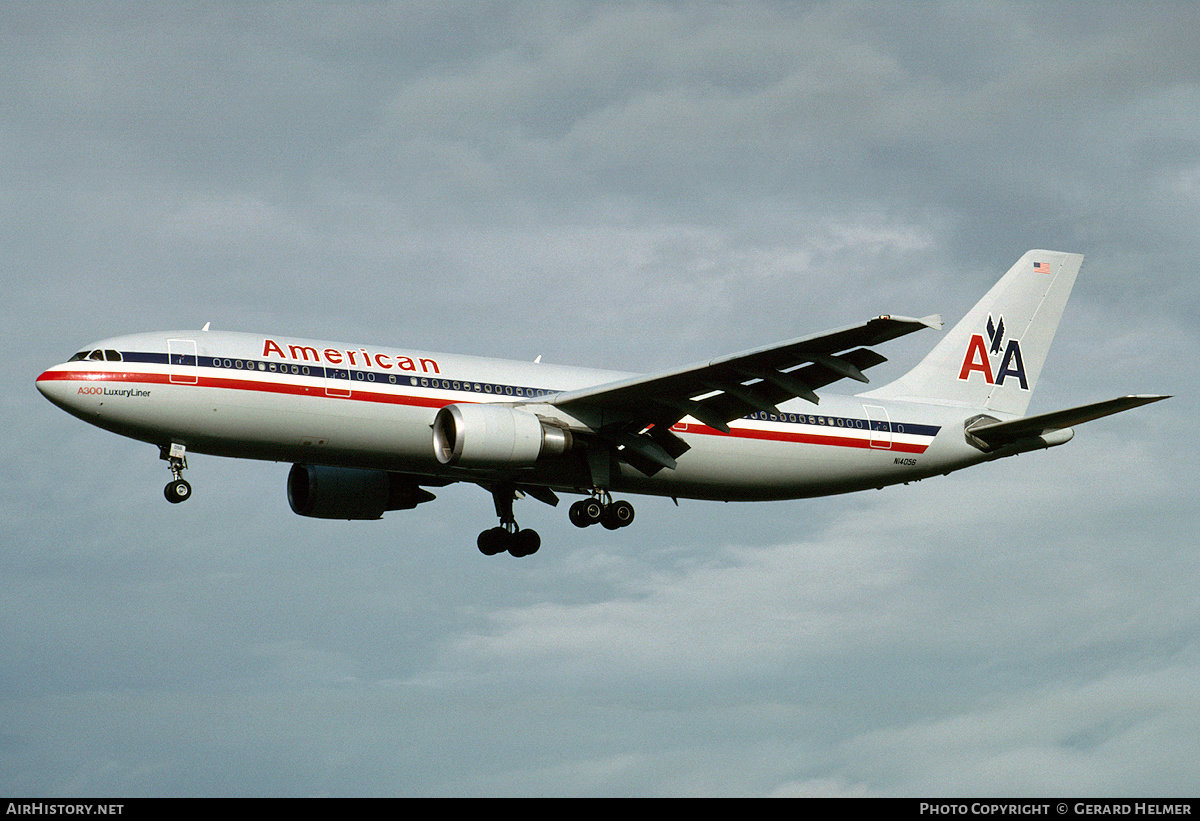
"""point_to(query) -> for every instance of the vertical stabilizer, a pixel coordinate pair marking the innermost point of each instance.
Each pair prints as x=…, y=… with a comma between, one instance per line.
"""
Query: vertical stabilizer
x=992, y=358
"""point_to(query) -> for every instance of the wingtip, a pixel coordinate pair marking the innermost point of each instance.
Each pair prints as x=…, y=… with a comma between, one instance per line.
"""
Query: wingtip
x=932, y=321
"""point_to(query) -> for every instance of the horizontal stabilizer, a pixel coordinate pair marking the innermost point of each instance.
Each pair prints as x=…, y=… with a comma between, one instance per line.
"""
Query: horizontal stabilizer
x=993, y=435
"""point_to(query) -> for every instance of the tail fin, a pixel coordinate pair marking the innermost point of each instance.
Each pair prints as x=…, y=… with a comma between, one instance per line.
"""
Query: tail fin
x=992, y=358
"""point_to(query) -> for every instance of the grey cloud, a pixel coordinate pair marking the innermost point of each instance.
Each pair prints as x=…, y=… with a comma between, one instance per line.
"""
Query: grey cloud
x=628, y=185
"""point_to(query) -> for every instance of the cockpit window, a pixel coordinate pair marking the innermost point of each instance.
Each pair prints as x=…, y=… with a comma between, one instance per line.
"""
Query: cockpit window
x=97, y=356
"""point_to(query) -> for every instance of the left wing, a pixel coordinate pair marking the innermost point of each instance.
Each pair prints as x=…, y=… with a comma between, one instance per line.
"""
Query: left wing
x=634, y=415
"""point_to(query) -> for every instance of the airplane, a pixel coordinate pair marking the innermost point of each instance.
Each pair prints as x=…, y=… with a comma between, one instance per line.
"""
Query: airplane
x=368, y=429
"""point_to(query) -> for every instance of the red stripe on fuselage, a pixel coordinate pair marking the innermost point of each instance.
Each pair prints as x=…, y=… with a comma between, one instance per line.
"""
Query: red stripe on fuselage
x=834, y=439
x=103, y=376
x=360, y=395
x=226, y=383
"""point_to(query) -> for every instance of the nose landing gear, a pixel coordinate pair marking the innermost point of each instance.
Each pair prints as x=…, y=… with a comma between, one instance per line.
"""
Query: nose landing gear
x=177, y=490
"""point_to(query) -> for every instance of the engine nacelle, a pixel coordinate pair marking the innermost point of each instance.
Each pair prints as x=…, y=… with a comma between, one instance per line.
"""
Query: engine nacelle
x=482, y=435
x=350, y=493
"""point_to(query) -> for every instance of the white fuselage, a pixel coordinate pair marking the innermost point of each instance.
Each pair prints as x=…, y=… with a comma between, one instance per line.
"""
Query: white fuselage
x=283, y=399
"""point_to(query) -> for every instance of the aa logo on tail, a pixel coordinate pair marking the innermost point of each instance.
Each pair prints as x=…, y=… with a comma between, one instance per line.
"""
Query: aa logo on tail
x=979, y=354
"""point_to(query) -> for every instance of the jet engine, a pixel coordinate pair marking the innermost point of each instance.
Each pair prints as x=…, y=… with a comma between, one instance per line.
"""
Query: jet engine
x=483, y=435
x=350, y=493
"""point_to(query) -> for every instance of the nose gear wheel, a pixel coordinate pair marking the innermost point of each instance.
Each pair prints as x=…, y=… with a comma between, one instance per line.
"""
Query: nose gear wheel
x=177, y=490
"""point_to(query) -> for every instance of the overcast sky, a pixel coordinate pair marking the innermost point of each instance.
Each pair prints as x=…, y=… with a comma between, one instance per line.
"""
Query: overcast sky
x=627, y=185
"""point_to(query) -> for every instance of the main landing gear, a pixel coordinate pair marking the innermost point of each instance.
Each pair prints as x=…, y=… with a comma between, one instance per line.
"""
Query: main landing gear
x=177, y=490
x=508, y=536
x=601, y=508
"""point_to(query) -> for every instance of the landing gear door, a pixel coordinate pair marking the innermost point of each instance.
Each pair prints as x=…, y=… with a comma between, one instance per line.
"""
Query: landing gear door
x=881, y=426
x=181, y=354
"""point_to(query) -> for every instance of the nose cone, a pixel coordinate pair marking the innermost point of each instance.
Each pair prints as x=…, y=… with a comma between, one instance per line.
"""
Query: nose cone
x=49, y=385
x=55, y=386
